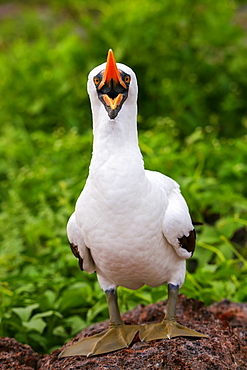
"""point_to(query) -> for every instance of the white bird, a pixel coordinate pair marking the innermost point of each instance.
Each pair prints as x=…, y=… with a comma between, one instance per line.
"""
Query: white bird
x=130, y=226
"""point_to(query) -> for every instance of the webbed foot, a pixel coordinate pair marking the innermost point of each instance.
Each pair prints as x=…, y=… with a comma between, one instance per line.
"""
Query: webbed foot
x=112, y=339
x=166, y=329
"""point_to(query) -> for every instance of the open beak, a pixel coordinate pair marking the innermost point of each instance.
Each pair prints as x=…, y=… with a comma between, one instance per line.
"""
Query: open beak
x=112, y=90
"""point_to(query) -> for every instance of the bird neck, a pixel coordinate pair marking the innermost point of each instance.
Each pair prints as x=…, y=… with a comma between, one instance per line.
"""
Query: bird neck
x=115, y=136
x=115, y=148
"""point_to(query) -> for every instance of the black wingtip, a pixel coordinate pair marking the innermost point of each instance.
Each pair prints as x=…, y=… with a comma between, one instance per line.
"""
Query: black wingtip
x=76, y=253
x=188, y=242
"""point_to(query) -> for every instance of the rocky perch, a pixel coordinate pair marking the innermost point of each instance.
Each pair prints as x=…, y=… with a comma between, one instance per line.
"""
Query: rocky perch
x=226, y=348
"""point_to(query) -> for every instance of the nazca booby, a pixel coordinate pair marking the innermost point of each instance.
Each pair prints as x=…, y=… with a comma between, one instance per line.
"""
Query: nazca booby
x=130, y=226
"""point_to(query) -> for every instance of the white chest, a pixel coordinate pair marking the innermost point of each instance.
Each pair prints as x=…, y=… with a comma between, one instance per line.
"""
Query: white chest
x=121, y=222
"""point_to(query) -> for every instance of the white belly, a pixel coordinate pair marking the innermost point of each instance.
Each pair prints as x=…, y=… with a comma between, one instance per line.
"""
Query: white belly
x=126, y=240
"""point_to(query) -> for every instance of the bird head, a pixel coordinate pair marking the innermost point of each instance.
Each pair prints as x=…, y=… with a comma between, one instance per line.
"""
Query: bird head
x=112, y=84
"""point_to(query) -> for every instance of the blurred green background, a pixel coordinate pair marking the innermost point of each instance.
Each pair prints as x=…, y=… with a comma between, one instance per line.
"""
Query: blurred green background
x=190, y=58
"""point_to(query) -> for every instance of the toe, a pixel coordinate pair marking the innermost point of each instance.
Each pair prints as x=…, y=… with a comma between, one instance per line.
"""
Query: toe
x=110, y=340
x=166, y=329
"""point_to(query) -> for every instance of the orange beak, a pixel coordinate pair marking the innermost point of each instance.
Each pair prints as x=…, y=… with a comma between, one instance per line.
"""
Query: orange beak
x=112, y=90
x=111, y=72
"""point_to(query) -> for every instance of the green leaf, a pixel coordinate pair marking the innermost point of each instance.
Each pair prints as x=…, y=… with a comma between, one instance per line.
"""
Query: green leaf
x=76, y=323
x=60, y=331
x=35, y=324
x=25, y=312
x=47, y=314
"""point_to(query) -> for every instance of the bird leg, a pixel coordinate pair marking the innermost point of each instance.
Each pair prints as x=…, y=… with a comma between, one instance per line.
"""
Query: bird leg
x=168, y=327
x=117, y=336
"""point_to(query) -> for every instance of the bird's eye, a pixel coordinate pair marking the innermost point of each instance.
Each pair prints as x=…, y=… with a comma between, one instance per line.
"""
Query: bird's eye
x=96, y=80
x=127, y=79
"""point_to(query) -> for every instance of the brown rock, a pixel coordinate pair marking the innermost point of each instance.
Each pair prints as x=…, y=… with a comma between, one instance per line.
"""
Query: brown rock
x=14, y=355
x=226, y=347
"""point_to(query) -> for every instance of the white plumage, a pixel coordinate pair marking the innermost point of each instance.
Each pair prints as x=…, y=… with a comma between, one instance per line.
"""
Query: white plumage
x=125, y=215
x=127, y=221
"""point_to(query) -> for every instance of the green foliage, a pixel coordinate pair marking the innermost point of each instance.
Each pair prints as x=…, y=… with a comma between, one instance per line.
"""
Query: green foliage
x=190, y=62
x=197, y=51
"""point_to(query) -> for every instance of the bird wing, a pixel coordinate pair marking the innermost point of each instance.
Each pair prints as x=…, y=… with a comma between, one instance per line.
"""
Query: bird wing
x=177, y=226
x=78, y=246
